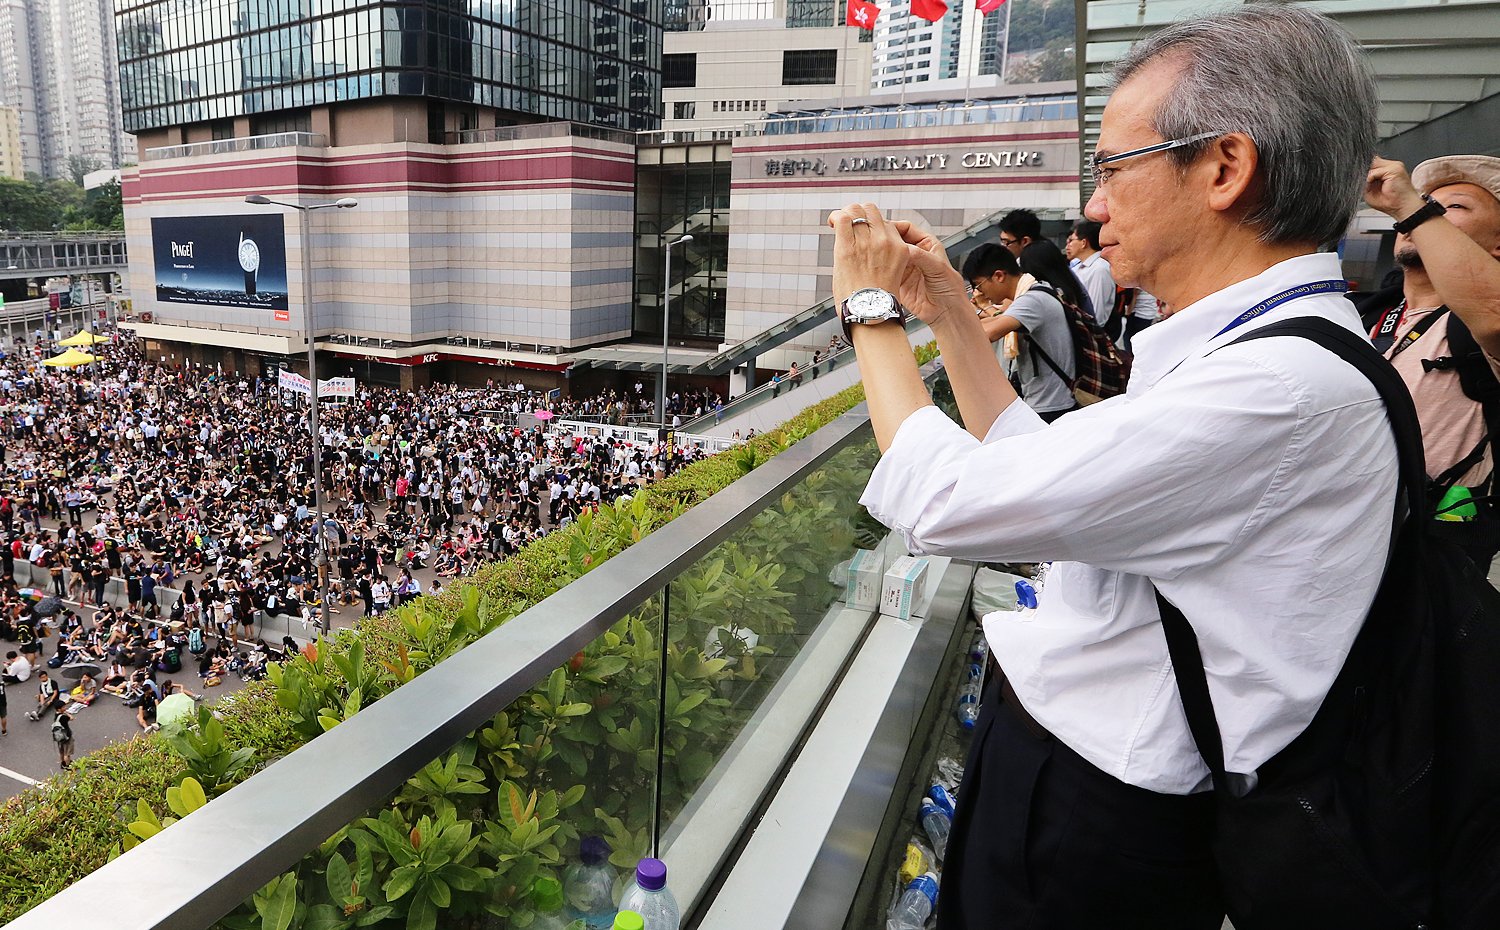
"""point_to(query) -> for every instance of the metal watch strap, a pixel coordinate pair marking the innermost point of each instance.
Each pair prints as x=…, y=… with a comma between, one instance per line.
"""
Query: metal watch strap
x=1429, y=210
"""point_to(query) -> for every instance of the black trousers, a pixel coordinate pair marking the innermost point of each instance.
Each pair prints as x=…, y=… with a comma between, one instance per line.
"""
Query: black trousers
x=1044, y=840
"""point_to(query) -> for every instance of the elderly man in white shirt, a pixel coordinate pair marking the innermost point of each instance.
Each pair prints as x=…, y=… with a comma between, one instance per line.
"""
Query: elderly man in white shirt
x=1252, y=484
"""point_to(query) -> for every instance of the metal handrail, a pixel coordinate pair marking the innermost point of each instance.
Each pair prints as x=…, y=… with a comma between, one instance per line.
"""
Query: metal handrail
x=220, y=855
x=271, y=140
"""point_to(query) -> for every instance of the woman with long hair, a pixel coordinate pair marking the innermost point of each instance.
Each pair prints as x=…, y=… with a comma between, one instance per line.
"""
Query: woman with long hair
x=1046, y=262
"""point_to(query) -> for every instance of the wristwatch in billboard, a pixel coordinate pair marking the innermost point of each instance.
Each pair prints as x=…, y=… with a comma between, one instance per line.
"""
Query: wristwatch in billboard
x=870, y=305
x=250, y=261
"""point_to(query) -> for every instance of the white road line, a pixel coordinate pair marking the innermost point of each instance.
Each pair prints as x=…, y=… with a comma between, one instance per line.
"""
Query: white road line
x=18, y=776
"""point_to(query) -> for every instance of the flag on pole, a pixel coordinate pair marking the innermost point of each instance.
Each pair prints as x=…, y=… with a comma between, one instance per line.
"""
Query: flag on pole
x=989, y=6
x=861, y=14
x=930, y=10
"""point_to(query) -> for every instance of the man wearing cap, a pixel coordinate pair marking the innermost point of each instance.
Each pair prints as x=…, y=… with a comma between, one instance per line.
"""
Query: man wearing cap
x=1441, y=326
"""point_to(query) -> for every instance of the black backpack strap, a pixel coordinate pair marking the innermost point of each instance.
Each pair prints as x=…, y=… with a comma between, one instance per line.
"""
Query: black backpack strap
x=1050, y=363
x=1182, y=642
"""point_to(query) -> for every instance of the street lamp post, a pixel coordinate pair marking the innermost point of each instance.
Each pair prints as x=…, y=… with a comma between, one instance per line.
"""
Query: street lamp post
x=666, y=305
x=320, y=532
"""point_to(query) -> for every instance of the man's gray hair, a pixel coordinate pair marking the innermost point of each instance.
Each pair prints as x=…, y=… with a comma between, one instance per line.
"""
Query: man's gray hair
x=1295, y=82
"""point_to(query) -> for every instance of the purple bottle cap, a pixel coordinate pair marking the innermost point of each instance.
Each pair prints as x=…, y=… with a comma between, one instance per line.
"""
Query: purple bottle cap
x=593, y=850
x=651, y=874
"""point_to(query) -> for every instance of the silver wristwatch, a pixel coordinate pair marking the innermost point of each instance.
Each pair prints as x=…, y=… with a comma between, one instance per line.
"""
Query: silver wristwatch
x=870, y=305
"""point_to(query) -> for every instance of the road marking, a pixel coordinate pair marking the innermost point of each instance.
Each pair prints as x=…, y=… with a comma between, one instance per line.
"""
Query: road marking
x=18, y=776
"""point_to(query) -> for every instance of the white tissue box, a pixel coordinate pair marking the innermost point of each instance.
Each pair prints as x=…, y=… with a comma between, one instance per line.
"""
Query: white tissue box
x=862, y=589
x=905, y=582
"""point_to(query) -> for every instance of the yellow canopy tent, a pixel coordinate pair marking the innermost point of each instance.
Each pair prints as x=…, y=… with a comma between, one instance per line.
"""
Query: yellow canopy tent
x=70, y=359
x=83, y=338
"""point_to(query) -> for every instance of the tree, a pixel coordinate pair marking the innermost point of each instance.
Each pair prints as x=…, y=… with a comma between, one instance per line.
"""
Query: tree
x=26, y=205
x=1056, y=63
x=80, y=165
x=101, y=209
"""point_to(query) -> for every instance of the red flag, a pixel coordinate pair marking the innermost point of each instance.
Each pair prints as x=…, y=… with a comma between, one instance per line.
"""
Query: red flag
x=930, y=10
x=861, y=14
x=989, y=6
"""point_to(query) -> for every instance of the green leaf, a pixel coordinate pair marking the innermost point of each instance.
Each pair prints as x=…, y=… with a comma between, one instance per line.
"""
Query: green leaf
x=439, y=892
x=324, y=917
x=340, y=879
x=280, y=906
x=423, y=914
x=401, y=881
x=193, y=794
x=689, y=702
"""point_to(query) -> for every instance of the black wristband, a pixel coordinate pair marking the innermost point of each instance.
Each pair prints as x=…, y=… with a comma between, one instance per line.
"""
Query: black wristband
x=1429, y=210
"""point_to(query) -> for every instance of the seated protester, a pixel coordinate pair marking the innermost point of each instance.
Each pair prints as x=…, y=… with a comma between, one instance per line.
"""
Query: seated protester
x=17, y=668
x=1440, y=327
x=116, y=677
x=170, y=687
x=994, y=273
x=48, y=696
x=145, y=709
x=86, y=690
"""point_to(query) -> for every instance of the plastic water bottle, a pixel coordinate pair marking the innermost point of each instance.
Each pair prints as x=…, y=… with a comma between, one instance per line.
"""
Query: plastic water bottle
x=547, y=904
x=968, y=698
x=916, y=905
x=649, y=897
x=629, y=920
x=936, y=824
x=943, y=798
x=589, y=886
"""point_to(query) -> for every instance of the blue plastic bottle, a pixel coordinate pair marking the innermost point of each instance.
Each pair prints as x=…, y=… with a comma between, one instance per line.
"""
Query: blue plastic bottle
x=589, y=884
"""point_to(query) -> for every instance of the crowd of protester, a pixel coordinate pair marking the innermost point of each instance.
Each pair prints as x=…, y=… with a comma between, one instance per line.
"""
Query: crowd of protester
x=185, y=478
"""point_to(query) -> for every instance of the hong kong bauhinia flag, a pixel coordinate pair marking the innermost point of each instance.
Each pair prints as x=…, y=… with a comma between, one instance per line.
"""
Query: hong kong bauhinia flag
x=861, y=14
x=989, y=6
x=930, y=10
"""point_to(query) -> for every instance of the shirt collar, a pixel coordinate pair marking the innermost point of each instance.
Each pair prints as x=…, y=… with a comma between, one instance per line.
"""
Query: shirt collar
x=1167, y=344
x=1093, y=260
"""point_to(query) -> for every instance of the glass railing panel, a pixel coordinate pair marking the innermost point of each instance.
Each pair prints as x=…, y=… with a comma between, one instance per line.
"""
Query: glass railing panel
x=756, y=635
x=533, y=820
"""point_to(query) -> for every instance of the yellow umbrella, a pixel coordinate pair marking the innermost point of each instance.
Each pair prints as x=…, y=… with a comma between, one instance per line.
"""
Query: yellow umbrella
x=70, y=359
x=83, y=338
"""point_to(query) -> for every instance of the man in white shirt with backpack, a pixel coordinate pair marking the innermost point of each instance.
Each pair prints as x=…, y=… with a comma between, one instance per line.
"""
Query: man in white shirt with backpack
x=1251, y=489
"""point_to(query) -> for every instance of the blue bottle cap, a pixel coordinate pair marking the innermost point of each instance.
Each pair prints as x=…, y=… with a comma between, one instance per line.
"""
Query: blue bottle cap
x=593, y=850
x=1025, y=595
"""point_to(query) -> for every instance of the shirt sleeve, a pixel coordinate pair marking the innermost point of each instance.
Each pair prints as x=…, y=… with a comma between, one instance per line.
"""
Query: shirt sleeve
x=1153, y=484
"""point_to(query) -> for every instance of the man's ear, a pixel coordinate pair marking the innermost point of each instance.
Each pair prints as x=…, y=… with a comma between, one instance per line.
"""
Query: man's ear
x=1230, y=163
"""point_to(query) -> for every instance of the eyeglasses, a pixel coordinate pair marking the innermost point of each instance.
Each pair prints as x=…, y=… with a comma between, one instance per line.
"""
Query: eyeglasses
x=1101, y=174
x=1008, y=242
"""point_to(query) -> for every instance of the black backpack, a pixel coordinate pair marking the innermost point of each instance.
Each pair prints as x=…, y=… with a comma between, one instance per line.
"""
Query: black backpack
x=1385, y=811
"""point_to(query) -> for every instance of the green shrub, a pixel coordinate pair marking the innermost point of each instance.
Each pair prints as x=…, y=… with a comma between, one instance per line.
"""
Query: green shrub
x=583, y=741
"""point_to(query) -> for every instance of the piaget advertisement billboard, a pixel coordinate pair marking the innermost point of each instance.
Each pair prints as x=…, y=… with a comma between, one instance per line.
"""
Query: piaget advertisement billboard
x=221, y=261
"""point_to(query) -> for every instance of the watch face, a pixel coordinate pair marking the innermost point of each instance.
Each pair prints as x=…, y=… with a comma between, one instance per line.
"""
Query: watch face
x=871, y=303
x=249, y=255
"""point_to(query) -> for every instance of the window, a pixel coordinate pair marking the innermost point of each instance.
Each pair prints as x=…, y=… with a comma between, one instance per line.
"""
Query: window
x=809, y=66
x=684, y=109
x=679, y=70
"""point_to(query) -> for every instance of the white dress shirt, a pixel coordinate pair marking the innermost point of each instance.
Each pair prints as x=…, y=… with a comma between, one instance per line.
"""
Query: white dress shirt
x=1255, y=486
x=1094, y=274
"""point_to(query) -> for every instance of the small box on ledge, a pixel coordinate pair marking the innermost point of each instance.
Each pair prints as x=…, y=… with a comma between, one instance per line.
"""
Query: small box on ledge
x=862, y=589
x=905, y=583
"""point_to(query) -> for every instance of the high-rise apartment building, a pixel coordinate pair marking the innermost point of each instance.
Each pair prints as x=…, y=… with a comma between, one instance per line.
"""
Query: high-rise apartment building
x=911, y=51
x=12, y=162
x=59, y=70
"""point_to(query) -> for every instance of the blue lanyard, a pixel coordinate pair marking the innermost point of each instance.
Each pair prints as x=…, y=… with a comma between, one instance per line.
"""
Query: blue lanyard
x=1271, y=303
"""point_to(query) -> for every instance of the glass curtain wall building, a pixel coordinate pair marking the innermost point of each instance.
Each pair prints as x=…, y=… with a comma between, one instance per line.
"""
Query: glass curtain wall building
x=587, y=61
